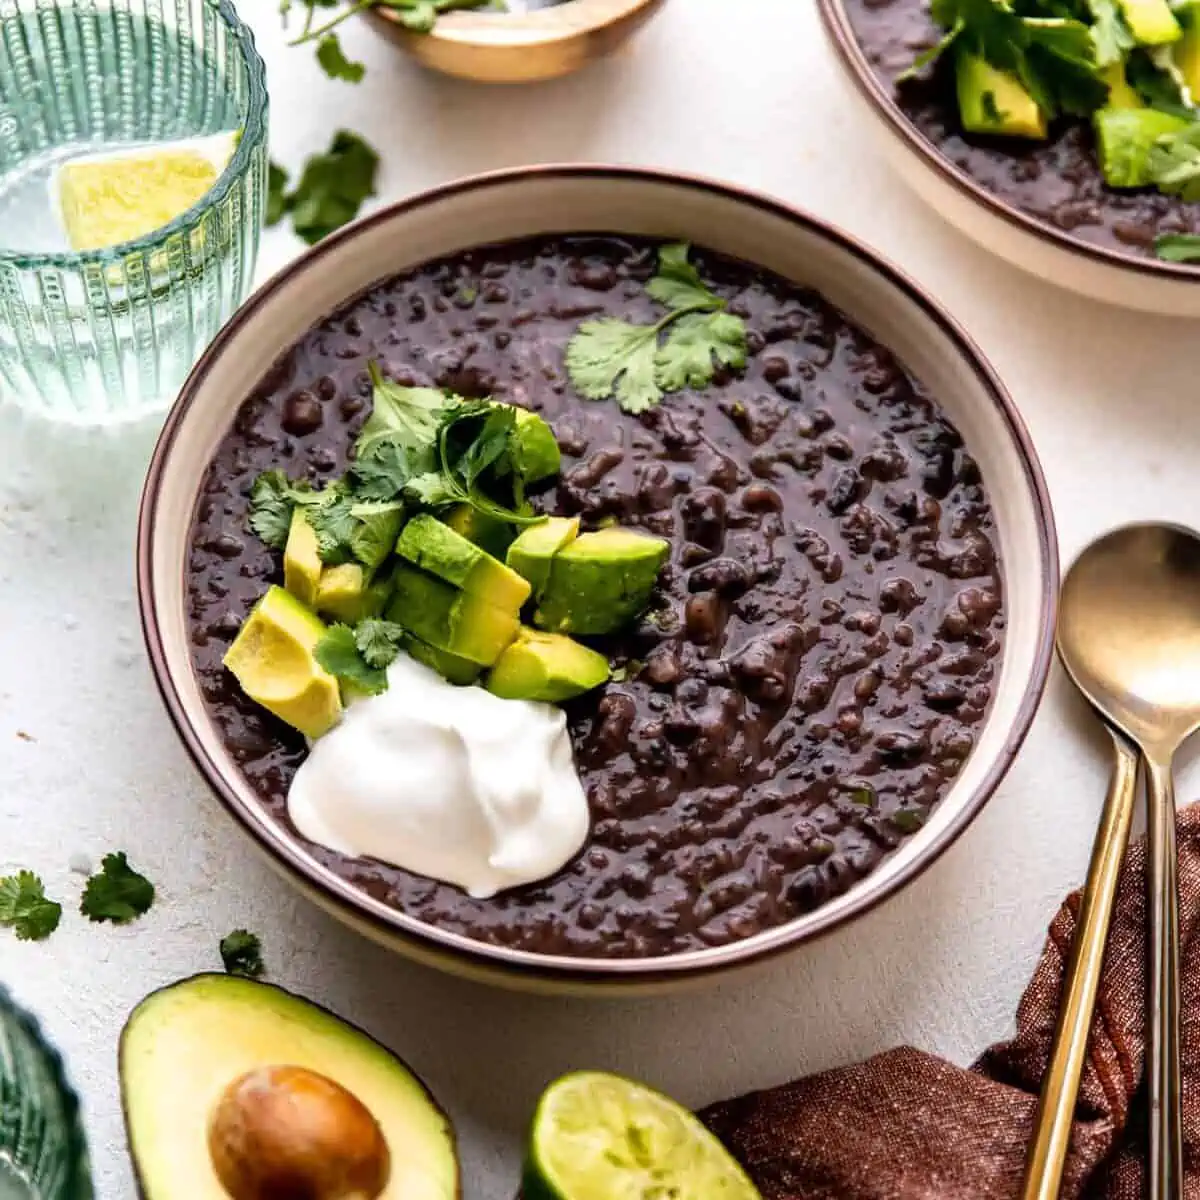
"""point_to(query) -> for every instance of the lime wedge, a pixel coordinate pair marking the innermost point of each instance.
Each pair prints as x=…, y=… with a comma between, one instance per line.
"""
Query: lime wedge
x=601, y=1137
x=115, y=196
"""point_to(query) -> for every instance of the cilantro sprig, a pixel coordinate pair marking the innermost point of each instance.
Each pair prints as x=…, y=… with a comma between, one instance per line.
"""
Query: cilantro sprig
x=636, y=363
x=1178, y=247
x=25, y=908
x=1056, y=58
x=361, y=655
x=116, y=892
x=333, y=186
x=241, y=954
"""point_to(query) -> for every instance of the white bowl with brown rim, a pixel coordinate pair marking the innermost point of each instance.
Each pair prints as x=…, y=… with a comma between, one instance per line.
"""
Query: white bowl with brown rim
x=876, y=297
x=1108, y=272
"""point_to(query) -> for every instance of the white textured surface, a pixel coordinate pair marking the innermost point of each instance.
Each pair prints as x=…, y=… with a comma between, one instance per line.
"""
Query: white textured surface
x=1110, y=400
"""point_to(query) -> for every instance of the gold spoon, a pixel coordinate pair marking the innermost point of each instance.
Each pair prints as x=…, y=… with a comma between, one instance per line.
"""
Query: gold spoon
x=1130, y=616
x=1056, y=1109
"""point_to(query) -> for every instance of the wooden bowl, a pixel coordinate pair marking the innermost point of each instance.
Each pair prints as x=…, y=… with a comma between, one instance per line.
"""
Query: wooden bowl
x=495, y=47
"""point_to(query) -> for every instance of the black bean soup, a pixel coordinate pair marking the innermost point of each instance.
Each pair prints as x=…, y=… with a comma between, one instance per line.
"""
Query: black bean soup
x=828, y=629
x=1057, y=181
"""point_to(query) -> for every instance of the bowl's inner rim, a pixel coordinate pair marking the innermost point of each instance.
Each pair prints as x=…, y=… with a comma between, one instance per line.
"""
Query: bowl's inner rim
x=497, y=208
x=562, y=22
x=882, y=98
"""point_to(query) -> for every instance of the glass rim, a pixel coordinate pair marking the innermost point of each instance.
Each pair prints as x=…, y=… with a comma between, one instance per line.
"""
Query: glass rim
x=79, y=1166
x=253, y=132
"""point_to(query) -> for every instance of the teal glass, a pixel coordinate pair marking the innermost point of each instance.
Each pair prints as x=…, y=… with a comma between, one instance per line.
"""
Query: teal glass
x=96, y=337
x=43, y=1149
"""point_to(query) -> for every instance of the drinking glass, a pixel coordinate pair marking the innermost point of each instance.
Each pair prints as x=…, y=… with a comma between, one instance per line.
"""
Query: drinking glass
x=100, y=336
x=43, y=1150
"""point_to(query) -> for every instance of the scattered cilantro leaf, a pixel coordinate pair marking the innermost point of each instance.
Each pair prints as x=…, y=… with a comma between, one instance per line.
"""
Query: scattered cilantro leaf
x=1110, y=32
x=410, y=416
x=1055, y=58
x=334, y=62
x=685, y=359
x=931, y=55
x=1173, y=164
x=387, y=468
x=378, y=642
x=334, y=523
x=678, y=283
x=473, y=438
x=431, y=489
x=277, y=199
x=117, y=892
x=241, y=953
x=377, y=526
x=1178, y=247
x=272, y=500
x=25, y=909
x=333, y=187
x=338, y=653
x=611, y=357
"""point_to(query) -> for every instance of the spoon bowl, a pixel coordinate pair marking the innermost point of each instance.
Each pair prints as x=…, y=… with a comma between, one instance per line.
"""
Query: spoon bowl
x=1129, y=631
x=1129, y=635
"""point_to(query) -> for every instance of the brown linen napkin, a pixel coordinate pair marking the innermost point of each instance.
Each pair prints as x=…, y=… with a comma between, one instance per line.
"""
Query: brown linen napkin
x=907, y=1126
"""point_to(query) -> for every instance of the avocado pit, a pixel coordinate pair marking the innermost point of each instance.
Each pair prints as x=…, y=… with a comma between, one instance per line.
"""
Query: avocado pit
x=287, y=1133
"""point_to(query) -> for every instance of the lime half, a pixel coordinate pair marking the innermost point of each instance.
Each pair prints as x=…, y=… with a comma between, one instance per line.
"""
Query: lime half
x=118, y=195
x=601, y=1137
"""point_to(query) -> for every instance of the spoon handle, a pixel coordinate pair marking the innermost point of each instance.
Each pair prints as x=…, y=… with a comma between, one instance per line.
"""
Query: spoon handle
x=1162, y=872
x=1056, y=1109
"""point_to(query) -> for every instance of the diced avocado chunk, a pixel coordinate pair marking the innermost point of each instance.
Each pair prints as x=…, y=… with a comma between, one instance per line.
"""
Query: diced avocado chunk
x=1125, y=137
x=348, y=593
x=302, y=564
x=464, y=623
x=1120, y=94
x=1186, y=51
x=1150, y=21
x=600, y=582
x=183, y=1054
x=546, y=666
x=535, y=447
x=488, y=533
x=530, y=555
x=991, y=101
x=435, y=547
x=449, y=666
x=272, y=658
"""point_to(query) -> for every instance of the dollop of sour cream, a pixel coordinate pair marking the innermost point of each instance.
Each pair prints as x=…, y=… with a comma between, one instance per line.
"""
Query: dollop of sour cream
x=448, y=782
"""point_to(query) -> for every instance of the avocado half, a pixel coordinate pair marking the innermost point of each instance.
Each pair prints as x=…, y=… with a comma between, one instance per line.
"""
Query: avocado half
x=184, y=1045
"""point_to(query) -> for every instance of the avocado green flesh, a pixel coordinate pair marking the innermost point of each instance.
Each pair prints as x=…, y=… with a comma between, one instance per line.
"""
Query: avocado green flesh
x=302, y=564
x=991, y=101
x=600, y=582
x=347, y=593
x=1187, y=51
x=488, y=533
x=1120, y=94
x=1150, y=21
x=433, y=546
x=182, y=1047
x=273, y=662
x=531, y=554
x=449, y=666
x=547, y=667
x=461, y=622
x=538, y=455
x=1125, y=137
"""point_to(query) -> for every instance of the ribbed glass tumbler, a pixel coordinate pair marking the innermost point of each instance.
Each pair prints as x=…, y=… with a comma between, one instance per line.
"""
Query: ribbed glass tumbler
x=100, y=336
x=43, y=1151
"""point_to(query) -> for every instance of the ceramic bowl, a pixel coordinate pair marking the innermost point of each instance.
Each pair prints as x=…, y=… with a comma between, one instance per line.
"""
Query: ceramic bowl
x=558, y=199
x=496, y=47
x=1052, y=254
